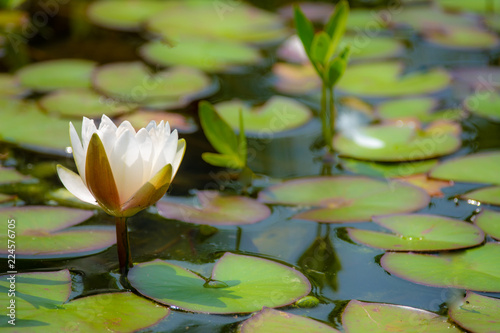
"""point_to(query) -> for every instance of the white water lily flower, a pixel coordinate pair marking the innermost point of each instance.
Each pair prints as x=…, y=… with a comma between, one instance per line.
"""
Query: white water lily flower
x=121, y=170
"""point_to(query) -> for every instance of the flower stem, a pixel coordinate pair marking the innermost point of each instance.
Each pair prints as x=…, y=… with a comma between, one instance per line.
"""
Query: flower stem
x=324, y=117
x=122, y=242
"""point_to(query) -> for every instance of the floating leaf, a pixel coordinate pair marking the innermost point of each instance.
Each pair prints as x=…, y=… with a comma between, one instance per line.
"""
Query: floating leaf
x=217, y=21
x=476, y=313
x=56, y=74
x=345, y=198
x=488, y=195
x=391, y=143
x=175, y=87
x=41, y=232
x=474, y=168
x=125, y=16
x=379, y=317
x=462, y=38
x=10, y=87
x=489, y=222
x=207, y=55
x=80, y=102
x=253, y=283
x=41, y=304
x=269, y=320
x=422, y=19
x=473, y=269
x=11, y=175
x=433, y=187
x=276, y=115
x=421, y=108
x=214, y=208
x=6, y=198
x=473, y=6
x=383, y=79
x=180, y=122
x=377, y=48
x=419, y=233
x=487, y=106
x=387, y=170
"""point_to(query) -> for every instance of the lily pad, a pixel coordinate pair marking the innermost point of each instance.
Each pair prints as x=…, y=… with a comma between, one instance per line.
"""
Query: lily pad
x=421, y=108
x=473, y=269
x=387, y=170
x=385, y=79
x=474, y=168
x=180, y=122
x=431, y=186
x=489, y=222
x=56, y=74
x=23, y=123
x=41, y=232
x=472, y=6
x=207, y=55
x=245, y=284
x=10, y=87
x=345, y=198
x=124, y=16
x=487, y=106
x=428, y=18
x=80, y=102
x=11, y=175
x=295, y=79
x=487, y=195
x=42, y=305
x=389, y=143
x=379, y=317
x=269, y=320
x=213, y=208
x=220, y=21
x=419, y=233
x=477, y=313
x=278, y=114
x=175, y=87
x=463, y=38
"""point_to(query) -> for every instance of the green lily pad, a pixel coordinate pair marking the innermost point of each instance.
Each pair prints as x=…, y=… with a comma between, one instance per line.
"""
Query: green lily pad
x=421, y=108
x=390, y=143
x=472, y=6
x=473, y=269
x=295, y=79
x=384, y=79
x=419, y=233
x=474, y=168
x=11, y=175
x=180, y=122
x=90, y=104
x=269, y=320
x=379, y=317
x=477, y=313
x=489, y=222
x=487, y=106
x=427, y=18
x=487, y=195
x=207, y=55
x=10, y=87
x=387, y=170
x=345, y=198
x=463, y=38
x=23, y=123
x=240, y=23
x=42, y=305
x=276, y=115
x=7, y=198
x=41, y=232
x=56, y=74
x=124, y=16
x=175, y=87
x=246, y=284
x=213, y=208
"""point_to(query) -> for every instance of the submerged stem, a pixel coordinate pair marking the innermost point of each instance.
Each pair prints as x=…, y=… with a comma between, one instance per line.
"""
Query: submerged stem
x=122, y=242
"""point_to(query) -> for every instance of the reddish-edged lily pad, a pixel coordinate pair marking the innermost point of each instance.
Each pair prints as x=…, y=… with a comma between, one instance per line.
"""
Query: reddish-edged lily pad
x=42, y=306
x=42, y=232
x=487, y=106
x=379, y=317
x=476, y=313
x=474, y=269
x=474, y=168
x=273, y=321
x=412, y=232
x=391, y=143
x=276, y=115
x=345, y=198
x=216, y=209
x=431, y=186
x=489, y=222
x=239, y=284
x=56, y=74
x=488, y=195
x=180, y=122
x=295, y=79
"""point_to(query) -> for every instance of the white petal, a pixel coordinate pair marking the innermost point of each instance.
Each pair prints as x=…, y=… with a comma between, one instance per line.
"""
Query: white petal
x=88, y=128
x=181, y=149
x=147, y=152
x=125, y=126
x=75, y=185
x=151, y=125
x=167, y=155
x=106, y=122
x=78, y=151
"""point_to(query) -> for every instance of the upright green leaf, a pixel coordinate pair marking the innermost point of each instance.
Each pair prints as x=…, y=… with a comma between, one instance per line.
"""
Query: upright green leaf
x=305, y=29
x=337, y=66
x=242, y=141
x=319, y=47
x=335, y=28
x=217, y=131
x=223, y=160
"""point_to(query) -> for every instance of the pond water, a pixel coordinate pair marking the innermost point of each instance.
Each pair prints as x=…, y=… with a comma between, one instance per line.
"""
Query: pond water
x=338, y=267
